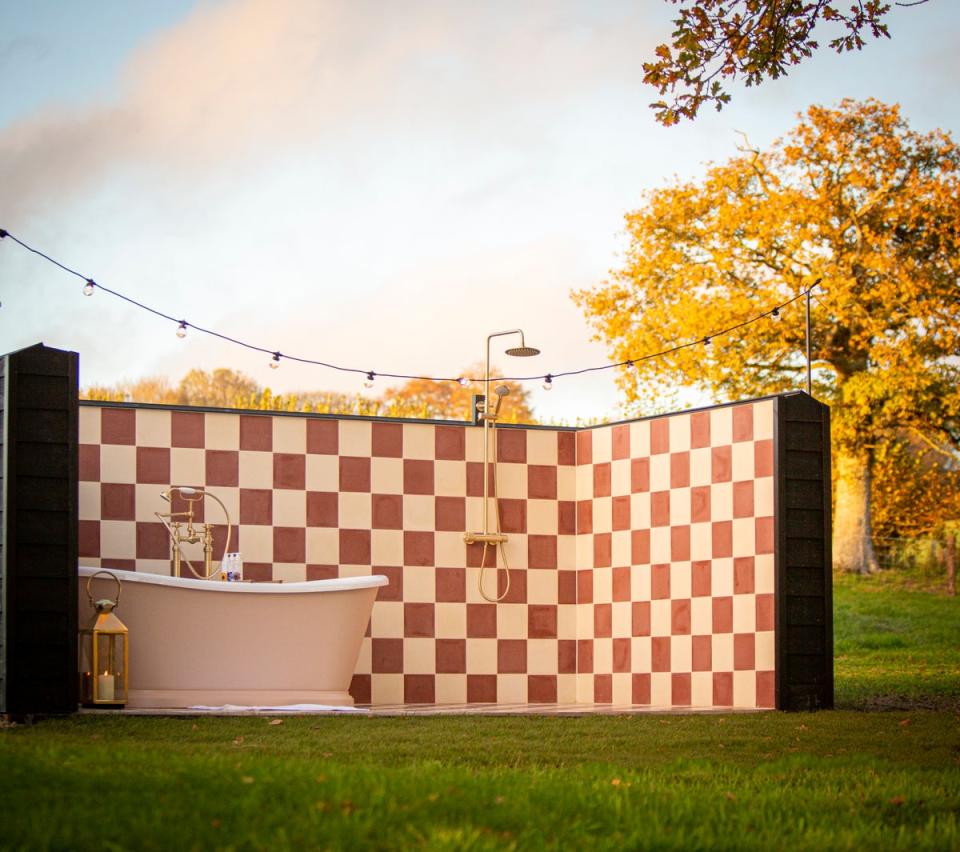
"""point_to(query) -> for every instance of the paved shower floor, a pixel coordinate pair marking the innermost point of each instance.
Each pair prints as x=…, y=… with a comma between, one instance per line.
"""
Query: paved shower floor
x=387, y=710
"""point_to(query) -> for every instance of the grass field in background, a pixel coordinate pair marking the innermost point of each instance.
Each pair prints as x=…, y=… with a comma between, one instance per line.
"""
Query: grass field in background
x=881, y=772
x=896, y=644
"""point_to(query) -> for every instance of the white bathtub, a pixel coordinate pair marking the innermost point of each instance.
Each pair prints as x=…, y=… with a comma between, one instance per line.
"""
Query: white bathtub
x=213, y=643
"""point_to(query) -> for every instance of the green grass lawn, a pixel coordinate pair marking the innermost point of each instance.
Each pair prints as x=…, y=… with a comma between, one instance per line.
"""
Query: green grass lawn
x=881, y=772
x=896, y=646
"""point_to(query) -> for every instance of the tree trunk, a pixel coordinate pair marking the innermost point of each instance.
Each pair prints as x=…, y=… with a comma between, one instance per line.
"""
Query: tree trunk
x=852, y=528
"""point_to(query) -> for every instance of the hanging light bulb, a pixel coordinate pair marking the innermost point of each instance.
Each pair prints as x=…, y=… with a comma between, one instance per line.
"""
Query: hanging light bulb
x=775, y=314
x=706, y=341
x=368, y=381
x=463, y=382
x=548, y=382
x=88, y=287
x=275, y=363
x=182, y=329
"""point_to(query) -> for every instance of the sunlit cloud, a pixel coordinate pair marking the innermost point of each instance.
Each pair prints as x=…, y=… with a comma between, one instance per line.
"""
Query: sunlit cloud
x=238, y=80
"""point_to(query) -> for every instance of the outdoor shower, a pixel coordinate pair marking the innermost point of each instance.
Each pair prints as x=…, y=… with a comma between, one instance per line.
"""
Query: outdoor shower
x=497, y=538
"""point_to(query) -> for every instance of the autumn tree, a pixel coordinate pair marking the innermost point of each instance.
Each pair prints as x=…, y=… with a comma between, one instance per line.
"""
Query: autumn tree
x=852, y=196
x=451, y=400
x=717, y=41
x=223, y=388
x=916, y=490
x=150, y=389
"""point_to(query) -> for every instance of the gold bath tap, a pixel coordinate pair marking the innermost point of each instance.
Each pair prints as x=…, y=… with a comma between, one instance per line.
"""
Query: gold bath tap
x=191, y=535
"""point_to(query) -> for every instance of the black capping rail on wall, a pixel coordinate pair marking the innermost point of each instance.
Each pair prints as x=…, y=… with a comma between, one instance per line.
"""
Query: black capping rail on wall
x=803, y=554
x=38, y=531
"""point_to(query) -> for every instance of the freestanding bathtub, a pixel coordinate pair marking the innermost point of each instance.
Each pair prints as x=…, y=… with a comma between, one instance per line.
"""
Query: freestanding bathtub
x=205, y=642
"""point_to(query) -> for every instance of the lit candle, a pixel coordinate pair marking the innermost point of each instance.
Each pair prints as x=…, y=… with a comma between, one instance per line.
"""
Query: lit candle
x=105, y=687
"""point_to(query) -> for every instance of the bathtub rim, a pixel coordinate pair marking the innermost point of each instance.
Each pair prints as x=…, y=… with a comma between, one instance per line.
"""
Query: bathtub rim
x=335, y=584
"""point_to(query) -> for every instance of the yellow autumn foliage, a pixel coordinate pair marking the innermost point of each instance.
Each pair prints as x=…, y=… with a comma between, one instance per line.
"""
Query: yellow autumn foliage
x=226, y=388
x=851, y=196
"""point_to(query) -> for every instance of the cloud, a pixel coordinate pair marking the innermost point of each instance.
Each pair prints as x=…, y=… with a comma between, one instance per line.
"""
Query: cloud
x=247, y=79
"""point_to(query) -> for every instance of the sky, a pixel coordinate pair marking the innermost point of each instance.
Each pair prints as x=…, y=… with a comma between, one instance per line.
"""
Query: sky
x=378, y=185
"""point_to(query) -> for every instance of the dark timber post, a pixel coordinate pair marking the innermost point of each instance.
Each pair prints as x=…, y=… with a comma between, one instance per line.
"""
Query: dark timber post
x=803, y=555
x=38, y=532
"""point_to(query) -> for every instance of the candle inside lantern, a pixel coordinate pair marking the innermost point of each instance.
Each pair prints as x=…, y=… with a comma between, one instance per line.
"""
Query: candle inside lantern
x=105, y=690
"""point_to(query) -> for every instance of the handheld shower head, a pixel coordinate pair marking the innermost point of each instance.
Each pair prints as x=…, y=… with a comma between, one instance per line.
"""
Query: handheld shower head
x=501, y=391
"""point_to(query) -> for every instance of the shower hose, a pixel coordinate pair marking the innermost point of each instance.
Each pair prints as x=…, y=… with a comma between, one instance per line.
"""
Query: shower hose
x=486, y=544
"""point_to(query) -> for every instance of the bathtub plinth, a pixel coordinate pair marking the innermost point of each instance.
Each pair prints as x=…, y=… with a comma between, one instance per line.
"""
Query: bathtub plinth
x=168, y=699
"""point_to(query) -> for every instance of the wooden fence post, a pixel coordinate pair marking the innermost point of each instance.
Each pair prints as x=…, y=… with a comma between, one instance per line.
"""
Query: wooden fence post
x=952, y=563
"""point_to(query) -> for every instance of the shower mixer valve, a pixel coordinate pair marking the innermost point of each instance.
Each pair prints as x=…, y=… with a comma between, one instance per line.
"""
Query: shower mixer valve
x=484, y=538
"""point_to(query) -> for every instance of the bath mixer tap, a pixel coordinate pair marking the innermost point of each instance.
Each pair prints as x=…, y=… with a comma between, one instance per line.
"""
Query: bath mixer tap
x=186, y=533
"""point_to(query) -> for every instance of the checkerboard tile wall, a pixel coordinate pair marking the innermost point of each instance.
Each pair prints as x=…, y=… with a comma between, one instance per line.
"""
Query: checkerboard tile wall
x=313, y=498
x=675, y=571
x=612, y=532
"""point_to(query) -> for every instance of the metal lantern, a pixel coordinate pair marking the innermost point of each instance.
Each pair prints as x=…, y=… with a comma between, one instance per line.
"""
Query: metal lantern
x=104, y=650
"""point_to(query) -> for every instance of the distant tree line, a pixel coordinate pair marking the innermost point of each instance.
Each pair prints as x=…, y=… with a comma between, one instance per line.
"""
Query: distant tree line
x=226, y=388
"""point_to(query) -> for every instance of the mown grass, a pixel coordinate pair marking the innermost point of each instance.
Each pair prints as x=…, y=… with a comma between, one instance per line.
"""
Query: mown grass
x=832, y=780
x=895, y=645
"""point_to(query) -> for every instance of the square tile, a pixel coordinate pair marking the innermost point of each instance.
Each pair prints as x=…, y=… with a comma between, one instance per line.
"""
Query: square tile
x=323, y=546
x=256, y=469
x=153, y=429
x=419, y=585
x=355, y=438
x=450, y=479
x=450, y=443
x=386, y=547
x=118, y=426
x=118, y=463
x=322, y=473
x=419, y=441
x=256, y=432
x=420, y=656
x=289, y=435
x=451, y=619
x=221, y=431
x=290, y=508
x=322, y=436
x=89, y=425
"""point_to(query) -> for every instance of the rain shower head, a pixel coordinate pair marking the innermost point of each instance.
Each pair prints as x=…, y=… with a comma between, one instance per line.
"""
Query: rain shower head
x=523, y=351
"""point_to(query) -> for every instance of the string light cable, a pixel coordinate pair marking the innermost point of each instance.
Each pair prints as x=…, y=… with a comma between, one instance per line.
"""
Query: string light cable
x=91, y=285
